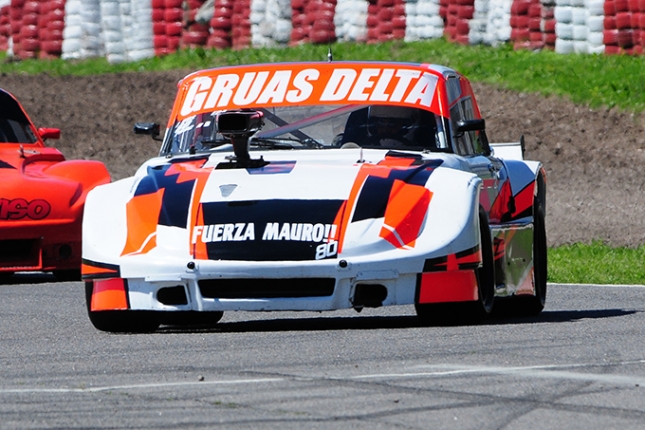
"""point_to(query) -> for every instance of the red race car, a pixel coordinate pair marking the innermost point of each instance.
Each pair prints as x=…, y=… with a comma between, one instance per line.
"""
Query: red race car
x=41, y=197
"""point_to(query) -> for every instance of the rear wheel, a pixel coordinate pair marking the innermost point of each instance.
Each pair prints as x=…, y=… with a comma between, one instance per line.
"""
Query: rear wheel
x=468, y=312
x=121, y=321
x=533, y=305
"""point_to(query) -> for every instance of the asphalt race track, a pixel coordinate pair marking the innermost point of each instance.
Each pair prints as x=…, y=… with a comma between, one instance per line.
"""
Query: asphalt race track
x=579, y=365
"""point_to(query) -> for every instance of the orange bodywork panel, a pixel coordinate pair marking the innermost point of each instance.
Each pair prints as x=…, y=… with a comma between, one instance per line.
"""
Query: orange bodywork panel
x=405, y=213
x=445, y=287
x=109, y=294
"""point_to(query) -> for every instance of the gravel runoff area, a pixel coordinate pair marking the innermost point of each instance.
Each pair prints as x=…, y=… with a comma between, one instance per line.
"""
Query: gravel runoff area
x=593, y=157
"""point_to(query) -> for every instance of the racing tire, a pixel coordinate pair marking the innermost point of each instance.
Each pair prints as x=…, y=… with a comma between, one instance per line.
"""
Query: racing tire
x=4, y=276
x=121, y=321
x=67, y=275
x=533, y=305
x=468, y=312
x=201, y=319
x=125, y=321
x=483, y=307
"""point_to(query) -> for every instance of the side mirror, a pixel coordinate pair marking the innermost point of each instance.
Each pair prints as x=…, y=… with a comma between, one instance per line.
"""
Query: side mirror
x=471, y=125
x=49, y=133
x=149, y=128
x=475, y=125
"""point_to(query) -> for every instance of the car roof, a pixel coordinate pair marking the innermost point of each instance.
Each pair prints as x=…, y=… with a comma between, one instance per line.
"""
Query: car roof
x=436, y=68
x=314, y=83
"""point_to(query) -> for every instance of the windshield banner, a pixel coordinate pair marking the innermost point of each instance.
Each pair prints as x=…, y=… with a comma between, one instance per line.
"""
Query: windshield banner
x=307, y=84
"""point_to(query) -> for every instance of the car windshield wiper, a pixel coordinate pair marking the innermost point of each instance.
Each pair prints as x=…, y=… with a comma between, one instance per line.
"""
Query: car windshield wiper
x=212, y=143
x=207, y=145
x=275, y=143
x=284, y=143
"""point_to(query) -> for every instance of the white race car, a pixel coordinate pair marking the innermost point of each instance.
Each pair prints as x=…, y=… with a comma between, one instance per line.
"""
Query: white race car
x=318, y=186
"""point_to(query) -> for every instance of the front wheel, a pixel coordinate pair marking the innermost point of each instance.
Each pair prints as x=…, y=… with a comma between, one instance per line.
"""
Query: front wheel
x=4, y=276
x=120, y=321
x=468, y=312
x=67, y=275
x=202, y=319
x=483, y=307
x=125, y=321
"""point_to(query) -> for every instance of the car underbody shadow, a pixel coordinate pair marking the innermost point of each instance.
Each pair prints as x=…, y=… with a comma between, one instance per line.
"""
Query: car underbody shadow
x=386, y=322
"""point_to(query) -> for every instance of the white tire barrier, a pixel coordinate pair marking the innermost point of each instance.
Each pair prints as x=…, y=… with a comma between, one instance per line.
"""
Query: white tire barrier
x=131, y=30
x=270, y=22
x=350, y=20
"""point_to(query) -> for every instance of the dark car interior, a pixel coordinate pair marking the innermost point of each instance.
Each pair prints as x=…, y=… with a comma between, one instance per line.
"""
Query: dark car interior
x=14, y=125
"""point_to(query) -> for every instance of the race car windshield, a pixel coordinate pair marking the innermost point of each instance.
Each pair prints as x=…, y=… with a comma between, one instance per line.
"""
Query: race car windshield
x=326, y=126
x=15, y=132
x=14, y=125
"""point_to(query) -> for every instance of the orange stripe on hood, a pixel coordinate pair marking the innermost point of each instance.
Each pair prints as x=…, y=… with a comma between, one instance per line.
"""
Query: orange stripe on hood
x=405, y=212
x=347, y=209
x=142, y=214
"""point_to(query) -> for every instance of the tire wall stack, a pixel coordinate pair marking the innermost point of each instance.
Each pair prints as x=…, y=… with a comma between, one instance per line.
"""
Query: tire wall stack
x=131, y=30
x=579, y=26
x=423, y=20
x=312, y=21
x=385, y=20
x=271, y=23
x=457, y=14
x=350, y=20
x=220, y=25
x=167, y=24
x=195, y=34
x=491, y=23
x=82, y=34
x=241, y=24
x=121, y=30
x=32, y=29
x=526, y=30
x=624, y=26
x=5, y=25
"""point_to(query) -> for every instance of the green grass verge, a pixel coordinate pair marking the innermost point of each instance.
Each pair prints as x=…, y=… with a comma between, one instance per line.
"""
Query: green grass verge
x=596, y=263
x=594, y=80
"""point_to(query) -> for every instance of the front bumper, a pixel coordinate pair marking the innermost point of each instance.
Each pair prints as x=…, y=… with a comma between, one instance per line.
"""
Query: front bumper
x=259, y=286
x=44, y=246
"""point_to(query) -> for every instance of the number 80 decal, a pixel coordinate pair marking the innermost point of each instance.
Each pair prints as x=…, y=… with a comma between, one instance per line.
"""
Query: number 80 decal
x=327, y=250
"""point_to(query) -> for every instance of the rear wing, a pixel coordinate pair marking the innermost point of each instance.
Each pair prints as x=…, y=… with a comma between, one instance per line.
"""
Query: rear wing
x=509, y=150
